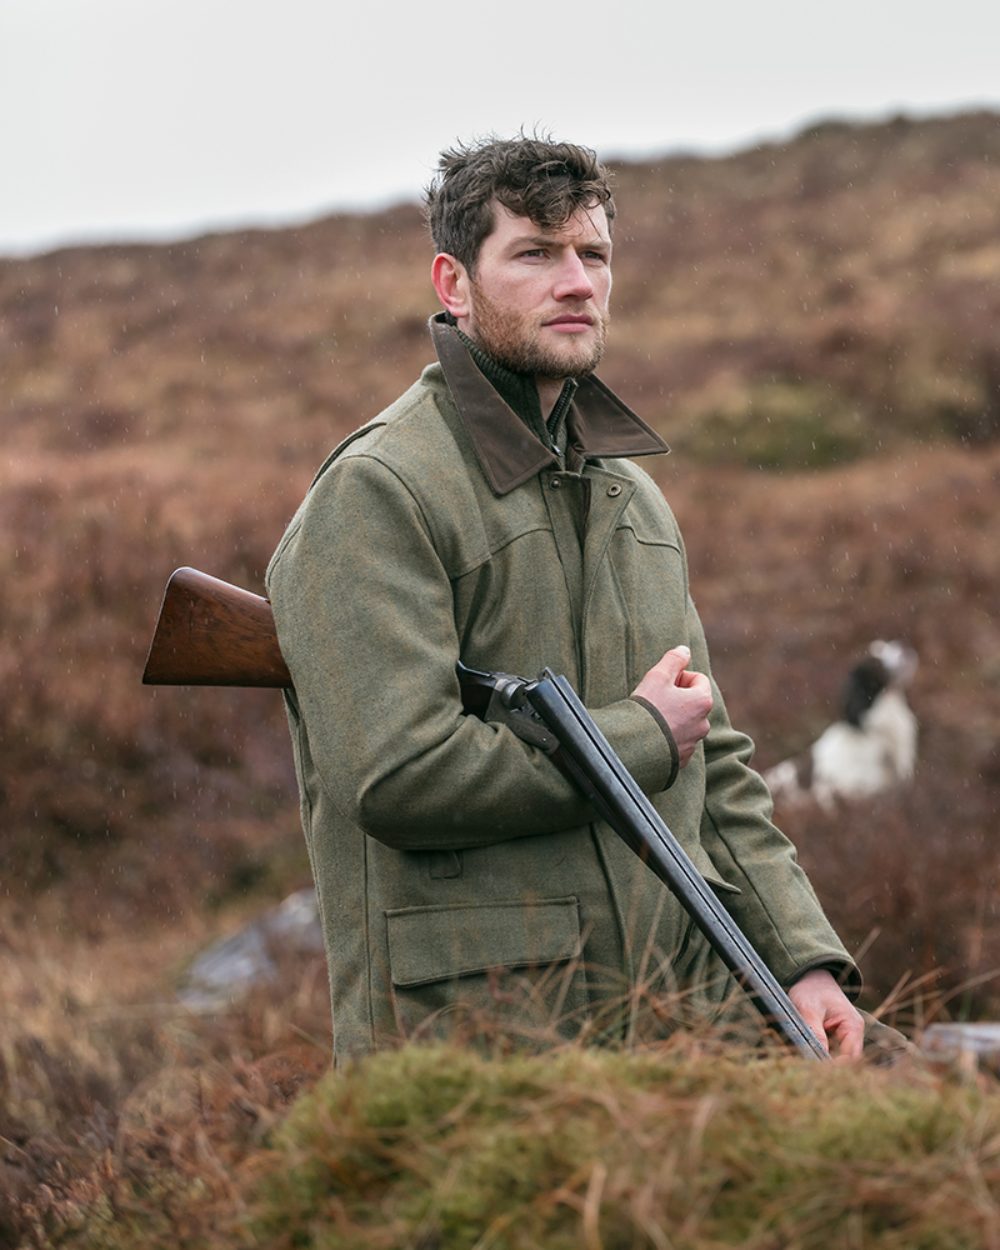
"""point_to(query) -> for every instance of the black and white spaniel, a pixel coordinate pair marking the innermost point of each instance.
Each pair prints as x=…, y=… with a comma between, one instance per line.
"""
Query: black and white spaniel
x=871, y=749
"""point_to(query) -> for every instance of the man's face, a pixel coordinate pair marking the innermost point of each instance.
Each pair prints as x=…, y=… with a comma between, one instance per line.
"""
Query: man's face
x=539, y=298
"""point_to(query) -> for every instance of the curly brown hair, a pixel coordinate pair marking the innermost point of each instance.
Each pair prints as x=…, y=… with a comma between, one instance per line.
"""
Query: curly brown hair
x=531, y=177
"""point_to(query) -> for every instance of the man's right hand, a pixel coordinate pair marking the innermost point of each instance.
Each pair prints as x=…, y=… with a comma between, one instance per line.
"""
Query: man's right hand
x=683, y=699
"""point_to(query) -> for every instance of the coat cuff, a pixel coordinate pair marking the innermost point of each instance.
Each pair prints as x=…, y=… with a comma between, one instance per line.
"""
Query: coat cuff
x=668, y=733
x=638, y=738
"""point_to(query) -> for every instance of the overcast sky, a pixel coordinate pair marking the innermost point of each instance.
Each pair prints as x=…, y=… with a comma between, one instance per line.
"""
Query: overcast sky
x=159, y=118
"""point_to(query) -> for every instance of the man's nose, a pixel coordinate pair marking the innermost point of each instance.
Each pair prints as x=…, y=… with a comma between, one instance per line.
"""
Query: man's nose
x=573, y=280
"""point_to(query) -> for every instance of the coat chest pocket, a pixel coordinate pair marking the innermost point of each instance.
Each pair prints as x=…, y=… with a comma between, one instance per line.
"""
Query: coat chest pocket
x=650, y=577
x=475, y=968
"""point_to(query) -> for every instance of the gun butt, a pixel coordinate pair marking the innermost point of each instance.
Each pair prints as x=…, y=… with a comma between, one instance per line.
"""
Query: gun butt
x=210, y=633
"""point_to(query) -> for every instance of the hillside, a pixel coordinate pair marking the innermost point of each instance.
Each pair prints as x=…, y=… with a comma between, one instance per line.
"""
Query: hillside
x=849, y=276
x=814, y=328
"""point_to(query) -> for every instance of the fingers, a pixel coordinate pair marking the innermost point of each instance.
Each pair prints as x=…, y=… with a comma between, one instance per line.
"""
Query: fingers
x=850, y=1035
x=695, y=681
x=816, y=1026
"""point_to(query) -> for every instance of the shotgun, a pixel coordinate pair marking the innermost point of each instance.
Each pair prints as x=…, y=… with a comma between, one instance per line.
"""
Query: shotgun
x=210, y=633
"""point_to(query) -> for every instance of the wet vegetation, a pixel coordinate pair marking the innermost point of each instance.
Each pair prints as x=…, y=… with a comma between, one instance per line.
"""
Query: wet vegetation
x=814, y=328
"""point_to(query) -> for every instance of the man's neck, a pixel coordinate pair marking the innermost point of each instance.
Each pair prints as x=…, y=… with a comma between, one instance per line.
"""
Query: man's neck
x=541, y=403
x=549, y=390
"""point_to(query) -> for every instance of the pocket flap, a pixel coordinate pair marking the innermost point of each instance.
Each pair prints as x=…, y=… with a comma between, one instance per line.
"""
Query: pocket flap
x=706, y=866
x=435, y=943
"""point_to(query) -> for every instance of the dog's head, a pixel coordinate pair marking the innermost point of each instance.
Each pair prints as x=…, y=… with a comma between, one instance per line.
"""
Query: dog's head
x=887, y=664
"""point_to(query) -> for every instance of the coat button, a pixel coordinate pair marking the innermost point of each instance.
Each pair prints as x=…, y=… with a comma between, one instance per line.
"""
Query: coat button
x=555, y=482
x=614, y=489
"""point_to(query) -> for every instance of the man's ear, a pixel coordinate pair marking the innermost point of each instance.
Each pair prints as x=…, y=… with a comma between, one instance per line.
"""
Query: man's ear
x=451, y=281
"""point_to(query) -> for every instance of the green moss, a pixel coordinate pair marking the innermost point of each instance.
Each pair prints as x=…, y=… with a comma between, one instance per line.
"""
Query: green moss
x=779, y=425
x=440, y=1148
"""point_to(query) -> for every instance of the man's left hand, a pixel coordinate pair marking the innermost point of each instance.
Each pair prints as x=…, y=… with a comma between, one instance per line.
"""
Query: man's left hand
x=825, y=1008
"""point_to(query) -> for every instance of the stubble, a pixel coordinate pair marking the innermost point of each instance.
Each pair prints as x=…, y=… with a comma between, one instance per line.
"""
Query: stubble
x=515, y=342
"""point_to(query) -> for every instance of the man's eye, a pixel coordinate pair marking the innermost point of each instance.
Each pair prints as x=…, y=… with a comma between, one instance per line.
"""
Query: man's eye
x=534, y=251
x=599, y=256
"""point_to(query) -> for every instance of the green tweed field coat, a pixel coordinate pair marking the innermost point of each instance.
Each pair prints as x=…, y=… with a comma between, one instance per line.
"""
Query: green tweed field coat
x=460, y=877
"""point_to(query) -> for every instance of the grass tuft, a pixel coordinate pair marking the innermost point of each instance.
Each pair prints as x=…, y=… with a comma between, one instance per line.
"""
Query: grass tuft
x=680, y=1148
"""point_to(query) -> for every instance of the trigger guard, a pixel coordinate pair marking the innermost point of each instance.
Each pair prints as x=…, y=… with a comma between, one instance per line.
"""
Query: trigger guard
x=522, y=720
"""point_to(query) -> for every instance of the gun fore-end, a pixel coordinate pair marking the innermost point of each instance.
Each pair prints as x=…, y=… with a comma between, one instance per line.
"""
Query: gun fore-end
x=210, y=633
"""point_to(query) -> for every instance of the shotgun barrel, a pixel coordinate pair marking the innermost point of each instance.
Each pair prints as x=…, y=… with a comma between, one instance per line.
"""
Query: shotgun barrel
x=591, y=762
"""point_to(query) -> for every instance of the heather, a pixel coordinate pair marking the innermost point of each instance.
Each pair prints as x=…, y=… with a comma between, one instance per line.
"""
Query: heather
x=813, y=328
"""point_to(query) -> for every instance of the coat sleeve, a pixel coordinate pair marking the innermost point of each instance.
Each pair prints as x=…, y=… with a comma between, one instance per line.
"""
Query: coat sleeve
x=777, y=907
x=365, y=617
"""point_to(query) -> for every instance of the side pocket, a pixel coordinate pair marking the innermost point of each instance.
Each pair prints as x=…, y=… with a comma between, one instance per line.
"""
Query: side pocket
x=443, y=865
x=478, y=969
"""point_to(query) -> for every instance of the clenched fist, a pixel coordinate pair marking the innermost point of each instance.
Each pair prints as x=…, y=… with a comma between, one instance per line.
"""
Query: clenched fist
x=683, y=699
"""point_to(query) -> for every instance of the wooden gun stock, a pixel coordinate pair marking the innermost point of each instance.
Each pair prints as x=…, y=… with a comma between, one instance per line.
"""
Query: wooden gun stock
x=210, y=633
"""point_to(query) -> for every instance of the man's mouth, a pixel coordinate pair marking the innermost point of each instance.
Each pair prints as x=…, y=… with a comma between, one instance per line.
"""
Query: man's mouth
x=570, y=321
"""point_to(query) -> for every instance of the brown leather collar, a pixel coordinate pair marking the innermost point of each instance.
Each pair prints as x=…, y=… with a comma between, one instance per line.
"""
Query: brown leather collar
x=599, y=424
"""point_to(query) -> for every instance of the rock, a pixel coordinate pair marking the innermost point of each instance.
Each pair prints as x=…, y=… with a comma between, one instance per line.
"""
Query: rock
x=221, y=975
x=971, y=1046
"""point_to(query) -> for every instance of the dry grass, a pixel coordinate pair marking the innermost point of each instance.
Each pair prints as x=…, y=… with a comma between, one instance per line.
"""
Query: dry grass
x=110, y=1091
x=684, y=1146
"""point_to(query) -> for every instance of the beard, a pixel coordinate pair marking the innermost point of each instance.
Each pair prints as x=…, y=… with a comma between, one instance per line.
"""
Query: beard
x=514, y=340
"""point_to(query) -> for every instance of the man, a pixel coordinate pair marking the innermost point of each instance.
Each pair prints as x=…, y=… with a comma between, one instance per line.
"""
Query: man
x=489, y=515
